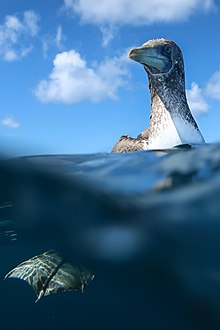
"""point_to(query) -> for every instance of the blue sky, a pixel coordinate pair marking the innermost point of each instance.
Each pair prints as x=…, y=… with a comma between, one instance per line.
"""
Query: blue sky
x=67, y=85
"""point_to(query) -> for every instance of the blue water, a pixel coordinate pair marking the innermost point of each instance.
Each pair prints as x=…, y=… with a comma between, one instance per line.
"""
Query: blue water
x=146, y=223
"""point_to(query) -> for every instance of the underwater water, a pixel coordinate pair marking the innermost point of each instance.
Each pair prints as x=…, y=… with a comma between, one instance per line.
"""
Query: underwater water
x=147, y=225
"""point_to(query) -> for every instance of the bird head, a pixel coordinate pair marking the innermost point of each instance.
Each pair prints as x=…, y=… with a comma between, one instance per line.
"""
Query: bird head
x=158, y=56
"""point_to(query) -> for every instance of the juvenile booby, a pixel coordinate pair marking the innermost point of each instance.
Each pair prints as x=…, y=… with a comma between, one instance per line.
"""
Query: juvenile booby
x=171, y=121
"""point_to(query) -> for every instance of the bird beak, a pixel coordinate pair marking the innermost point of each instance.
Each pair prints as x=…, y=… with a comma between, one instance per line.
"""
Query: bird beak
x=149, y=57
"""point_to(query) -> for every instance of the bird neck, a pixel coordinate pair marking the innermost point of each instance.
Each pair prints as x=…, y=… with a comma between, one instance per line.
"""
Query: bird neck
x=171, y=121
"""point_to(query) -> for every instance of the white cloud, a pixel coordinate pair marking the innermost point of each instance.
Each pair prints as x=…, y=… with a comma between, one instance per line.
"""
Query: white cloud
x=53, y=40
x=31, y=20
x=73, y=80
x=139, y=12
x=15, y=35
x=59, y=36
x=10, y=121
x=213, y=86
x=12, y=23
x=107, y=35
x=196, y=100
x=10, y=55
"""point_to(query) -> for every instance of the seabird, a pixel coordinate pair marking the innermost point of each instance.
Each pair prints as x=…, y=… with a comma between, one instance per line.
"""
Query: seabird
x=171, y=121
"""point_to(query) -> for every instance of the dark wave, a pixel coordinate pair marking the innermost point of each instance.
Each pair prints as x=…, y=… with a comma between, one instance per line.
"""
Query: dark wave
x=146, y=223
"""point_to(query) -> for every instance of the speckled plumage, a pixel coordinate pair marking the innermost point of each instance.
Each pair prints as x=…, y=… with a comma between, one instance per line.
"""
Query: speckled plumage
x=171, y=121
x=129, y=144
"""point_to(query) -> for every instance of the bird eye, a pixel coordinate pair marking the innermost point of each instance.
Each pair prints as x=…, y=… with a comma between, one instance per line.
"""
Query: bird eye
x=167, y=49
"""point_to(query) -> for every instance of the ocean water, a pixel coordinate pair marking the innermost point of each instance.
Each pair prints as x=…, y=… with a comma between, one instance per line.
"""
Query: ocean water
x=147, y=225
